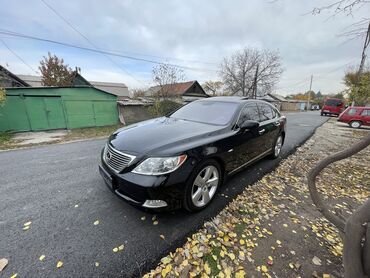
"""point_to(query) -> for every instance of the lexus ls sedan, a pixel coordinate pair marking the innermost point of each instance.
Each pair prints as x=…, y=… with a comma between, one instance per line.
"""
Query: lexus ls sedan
x=182, y=159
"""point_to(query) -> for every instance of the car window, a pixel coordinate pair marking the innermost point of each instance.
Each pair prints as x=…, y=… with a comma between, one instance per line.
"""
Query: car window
x=265, y=112
x=209, y=112
x=249, y=112
x=352, y=111
x=333, y=102
x=366, y=112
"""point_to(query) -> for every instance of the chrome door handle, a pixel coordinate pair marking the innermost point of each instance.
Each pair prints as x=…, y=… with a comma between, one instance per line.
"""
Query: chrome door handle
x=262, y=131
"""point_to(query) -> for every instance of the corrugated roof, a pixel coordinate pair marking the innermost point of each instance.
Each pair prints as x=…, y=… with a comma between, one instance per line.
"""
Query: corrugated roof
x=176, y=89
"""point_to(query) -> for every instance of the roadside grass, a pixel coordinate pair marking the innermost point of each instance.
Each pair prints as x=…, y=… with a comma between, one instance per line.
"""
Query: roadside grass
x=9, y=141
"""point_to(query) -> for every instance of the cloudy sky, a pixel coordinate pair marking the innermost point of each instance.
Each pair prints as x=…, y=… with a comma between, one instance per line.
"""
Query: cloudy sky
x=193, y=33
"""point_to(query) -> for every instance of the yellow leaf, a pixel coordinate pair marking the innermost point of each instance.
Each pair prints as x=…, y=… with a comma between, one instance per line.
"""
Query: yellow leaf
x=207, y=268
x=285, y=225
x=142, y=218
x=326, y=275
x=120, y=248
x=96, y=222
x=76, y=206
x=278, y=242
x=231, y=256
x=25, y=228
x=242, y=241
x=14, y=275
x=115, y=249
x=161, y=236
x=214, y=257
x=166, y=270
x=42, y=257
x=27, y=223
x=155, y=222
x=59, y=264
x=222, y=254
x=270, y=258
x=97, y=264
x=264, y=268
x=240, y=274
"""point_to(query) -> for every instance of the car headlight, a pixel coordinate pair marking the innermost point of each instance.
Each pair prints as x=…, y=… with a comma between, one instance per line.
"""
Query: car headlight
x=159, y=165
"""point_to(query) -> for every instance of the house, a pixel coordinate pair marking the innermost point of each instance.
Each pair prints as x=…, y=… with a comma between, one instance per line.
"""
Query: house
x=187, y=91
x=8, y=79
x=118, y=89
x=274, y=99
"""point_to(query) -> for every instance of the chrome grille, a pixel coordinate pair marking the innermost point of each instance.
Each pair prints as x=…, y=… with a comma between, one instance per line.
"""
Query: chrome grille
x=116, y=159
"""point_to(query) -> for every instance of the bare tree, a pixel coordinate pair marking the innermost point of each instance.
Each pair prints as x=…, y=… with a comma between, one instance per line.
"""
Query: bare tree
x=166, y=76
x=250, y=68
x=212, y=87
x=54, y=72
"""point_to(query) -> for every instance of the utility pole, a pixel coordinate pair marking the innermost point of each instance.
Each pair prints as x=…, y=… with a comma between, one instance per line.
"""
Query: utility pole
x=309, y=93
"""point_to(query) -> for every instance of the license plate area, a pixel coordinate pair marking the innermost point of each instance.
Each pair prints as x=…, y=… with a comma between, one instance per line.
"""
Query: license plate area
x=107, y=178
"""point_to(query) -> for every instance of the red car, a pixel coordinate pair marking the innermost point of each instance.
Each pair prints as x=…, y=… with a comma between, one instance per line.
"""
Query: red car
x=332, y=106
x=356, y=116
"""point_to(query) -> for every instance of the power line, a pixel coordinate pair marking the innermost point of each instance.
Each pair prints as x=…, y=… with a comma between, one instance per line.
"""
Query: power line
x=19, y=57
x=89, y=41
x=15, y=34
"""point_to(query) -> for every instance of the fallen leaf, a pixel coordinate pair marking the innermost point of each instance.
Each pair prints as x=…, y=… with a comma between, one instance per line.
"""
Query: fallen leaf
x=155, y=222
x=120, y=248
x=264, y=268
x=326, y=275
x=207, y=268
x=76, y=206
x=115, y=249
x=42, y=257
x=97, y=264
x=161, y=236
x=59, y=264
x=316, y=261
x=240, y=274
x=25, y=228
x=14, y=275
x=27, y=223
x=143, y=218
x=96, y=222
x=3, y=263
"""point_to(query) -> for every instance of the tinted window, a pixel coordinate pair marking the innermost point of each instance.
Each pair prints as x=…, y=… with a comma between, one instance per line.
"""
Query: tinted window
x=265, y=112
x=249, y=112
x=333, y=102
x=352, y=111
x=366, y=112
x=210, y=112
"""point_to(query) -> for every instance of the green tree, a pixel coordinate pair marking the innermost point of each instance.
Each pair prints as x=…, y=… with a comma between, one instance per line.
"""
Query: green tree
x=54, y=72
x=358, y=87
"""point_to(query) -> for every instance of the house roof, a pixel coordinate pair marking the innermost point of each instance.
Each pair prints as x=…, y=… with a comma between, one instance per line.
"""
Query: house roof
x=118, y=89
x=176, y=89
x=14, y=77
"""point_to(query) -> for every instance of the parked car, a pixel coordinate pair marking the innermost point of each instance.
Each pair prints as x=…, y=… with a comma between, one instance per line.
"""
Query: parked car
x=356, y=116
x=183, y=158
x=332, y=106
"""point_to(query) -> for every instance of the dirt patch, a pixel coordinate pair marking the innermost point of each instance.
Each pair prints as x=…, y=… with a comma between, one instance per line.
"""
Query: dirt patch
x=272, y=229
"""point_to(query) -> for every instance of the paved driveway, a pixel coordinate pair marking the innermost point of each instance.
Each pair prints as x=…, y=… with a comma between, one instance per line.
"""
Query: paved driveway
x=58, y=188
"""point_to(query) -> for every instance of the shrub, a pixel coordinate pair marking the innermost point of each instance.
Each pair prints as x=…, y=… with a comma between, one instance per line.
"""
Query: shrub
x=163, y=107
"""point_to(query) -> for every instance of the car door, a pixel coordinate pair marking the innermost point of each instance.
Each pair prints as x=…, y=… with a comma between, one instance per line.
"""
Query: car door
x=245, y=141
x=269, y=127
x=366, y=116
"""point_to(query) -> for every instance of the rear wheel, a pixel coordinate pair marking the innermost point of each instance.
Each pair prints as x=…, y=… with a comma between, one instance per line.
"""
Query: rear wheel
x=202, y=186
x=277, y=147
x=355, y=124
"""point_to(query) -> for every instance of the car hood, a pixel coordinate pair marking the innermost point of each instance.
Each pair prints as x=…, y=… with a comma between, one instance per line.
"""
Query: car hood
x=158, y=134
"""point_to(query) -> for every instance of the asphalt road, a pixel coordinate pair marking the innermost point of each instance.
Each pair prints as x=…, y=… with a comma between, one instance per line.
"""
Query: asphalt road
x=44, y=184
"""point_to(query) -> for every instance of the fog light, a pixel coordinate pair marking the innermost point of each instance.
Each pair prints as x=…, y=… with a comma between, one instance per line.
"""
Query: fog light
x=154, y=204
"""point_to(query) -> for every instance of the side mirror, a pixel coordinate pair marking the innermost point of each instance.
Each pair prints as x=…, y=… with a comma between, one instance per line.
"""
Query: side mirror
x=249, y=125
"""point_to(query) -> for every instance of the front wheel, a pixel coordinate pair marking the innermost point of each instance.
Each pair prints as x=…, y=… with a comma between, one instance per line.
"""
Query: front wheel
x=202, y=186
x=355, y=124
x=277, y=147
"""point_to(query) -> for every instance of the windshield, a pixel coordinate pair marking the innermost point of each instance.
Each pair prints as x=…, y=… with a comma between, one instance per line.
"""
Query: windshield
x=333, y=102
x=209, y=112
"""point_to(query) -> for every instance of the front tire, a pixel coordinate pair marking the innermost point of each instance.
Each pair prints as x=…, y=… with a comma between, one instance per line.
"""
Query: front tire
x=202, y=186
x=355, y=124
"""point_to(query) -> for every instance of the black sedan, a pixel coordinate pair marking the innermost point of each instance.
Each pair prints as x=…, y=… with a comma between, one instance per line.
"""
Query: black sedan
x=182, y=159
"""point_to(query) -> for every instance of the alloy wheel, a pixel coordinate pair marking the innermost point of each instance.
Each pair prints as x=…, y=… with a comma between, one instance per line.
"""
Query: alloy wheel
x=278, y=145
x=205, y=186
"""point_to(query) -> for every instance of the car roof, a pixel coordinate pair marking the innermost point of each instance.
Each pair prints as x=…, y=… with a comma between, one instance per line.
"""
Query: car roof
x=234, y=99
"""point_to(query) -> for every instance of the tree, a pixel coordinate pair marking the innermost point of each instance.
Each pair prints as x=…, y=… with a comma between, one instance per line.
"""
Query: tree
x=54, y=72
x=250, y=68
x=2, y=96
x=166, y=76
x=358, y=86
x=138, y=92
x=212, y=88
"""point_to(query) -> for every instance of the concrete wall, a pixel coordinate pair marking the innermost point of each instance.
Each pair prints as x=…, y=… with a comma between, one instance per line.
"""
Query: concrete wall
x=290, y=106
x=134, y=113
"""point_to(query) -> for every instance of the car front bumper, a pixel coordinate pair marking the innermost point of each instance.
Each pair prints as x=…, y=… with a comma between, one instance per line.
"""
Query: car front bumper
x=154, y=192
